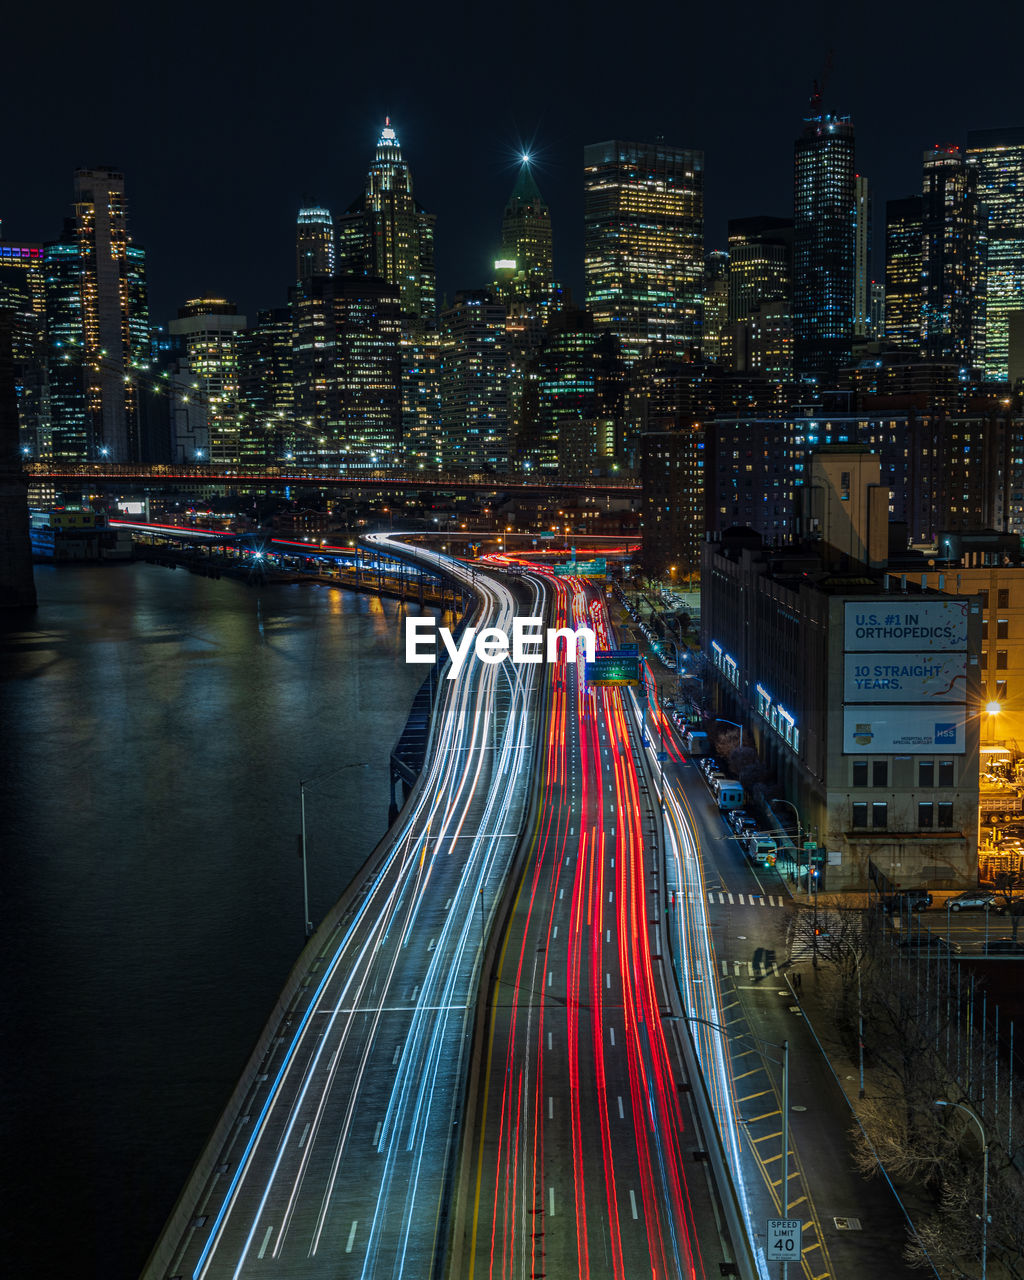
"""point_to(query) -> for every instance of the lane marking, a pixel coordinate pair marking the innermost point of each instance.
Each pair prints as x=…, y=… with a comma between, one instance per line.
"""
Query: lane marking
x=398, y=1050
x=263, y=1246
x=433, y=944
x=555, y=933
x=731, y=903
x=551, y=1107
x=447, y=904
x=561, y=893
x=611, y=1032
x=632, y=1202
x=610, y=896
x=351, y=1235
x=549, y=977
x=608, y=935
x=608, y=981
x=549, y=1039
x=551, y=1200
x=622, y=1114
x=302, y=1140
x=376, y=1133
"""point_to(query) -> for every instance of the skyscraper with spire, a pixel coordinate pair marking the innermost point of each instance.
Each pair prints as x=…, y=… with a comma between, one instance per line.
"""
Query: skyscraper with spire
x=386, y=233
x=524, y=271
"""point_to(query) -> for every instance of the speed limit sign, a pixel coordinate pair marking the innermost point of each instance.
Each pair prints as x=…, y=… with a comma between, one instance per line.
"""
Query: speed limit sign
x=784, y=1239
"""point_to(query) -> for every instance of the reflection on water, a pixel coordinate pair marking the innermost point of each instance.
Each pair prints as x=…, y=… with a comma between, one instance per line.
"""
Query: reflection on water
x=156, y=725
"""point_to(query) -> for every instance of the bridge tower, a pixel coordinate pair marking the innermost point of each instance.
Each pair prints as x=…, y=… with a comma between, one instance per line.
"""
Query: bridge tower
x=17, y=585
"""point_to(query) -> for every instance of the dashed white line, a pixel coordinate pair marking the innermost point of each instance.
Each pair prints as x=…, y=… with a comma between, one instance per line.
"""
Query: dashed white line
x=622, y=1114
x=549, y=977
x=351, y=1235
x=611, y=1032
x=263, y=1246
x=549, y=1039
x=632, y=1202
x=302, y=1140
x=376, y=1133
x=608, y=981
x=551, y=1200
x=607, y=935
x=433, y=944
x=611, y=896
x=551, y=1107
x=398, y=1050
x=554, y=932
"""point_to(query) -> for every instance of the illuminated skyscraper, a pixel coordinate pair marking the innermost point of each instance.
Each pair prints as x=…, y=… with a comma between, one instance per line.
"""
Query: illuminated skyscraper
x=314, y=244
x=861, y=258
x=999, y=155
x=212, y=330
x=474, y=384
x=347, y=372
x=823, y=244
x=760, y=263
x=953, y=259
x=525, y=268
x=904, y=247
x=643, y=217
x=575, y=392
x=387, y=234
x=114, y=313
x=23, y=292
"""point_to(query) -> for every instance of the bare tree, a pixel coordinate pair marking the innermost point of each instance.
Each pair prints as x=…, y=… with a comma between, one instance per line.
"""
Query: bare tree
x=1009, y=896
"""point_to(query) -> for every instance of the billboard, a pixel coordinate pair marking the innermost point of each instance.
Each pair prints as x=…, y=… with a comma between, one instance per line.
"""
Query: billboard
x=903, y=728
x=904, y=677
x=923, y=626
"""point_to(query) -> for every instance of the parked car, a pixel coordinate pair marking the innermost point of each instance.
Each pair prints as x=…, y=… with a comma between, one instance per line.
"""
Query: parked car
x=907, y=900
x=737, y=818
x=972, y=900
x=924, y=938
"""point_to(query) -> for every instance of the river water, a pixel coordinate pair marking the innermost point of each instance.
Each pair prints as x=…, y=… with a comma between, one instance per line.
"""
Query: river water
x=155, y=726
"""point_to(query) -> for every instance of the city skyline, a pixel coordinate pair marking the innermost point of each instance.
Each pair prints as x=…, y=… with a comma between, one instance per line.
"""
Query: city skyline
x=464, y=156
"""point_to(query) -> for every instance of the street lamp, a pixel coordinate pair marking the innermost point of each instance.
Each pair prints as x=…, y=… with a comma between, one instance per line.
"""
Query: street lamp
x=962, y=1106
x=784, y=1063
x=303, y=784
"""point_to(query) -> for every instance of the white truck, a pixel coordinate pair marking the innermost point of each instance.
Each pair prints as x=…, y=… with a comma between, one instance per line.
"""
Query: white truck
x=728, y=793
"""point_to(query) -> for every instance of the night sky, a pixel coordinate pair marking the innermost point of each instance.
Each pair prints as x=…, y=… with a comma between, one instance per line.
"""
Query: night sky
x=226, y=116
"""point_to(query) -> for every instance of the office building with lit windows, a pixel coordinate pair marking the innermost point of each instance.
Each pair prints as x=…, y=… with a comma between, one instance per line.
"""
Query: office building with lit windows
x=314, y=243
x=265, y=390
x=387, y=234
x=672, y=508
x=23, y=293
x=114, y=314
x=861, y=258
x=643, y=216
x=904, y=265
x=212, y=332
x=577, y=377
x=856, y=686
x=474, y=384
x=824, y=244
x=953, y=248
x=346, y=370
x=524, y=270
x=999, y=157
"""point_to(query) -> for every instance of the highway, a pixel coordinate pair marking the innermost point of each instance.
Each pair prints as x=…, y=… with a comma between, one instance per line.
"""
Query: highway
x=584, y=1160
x=337, y=1161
